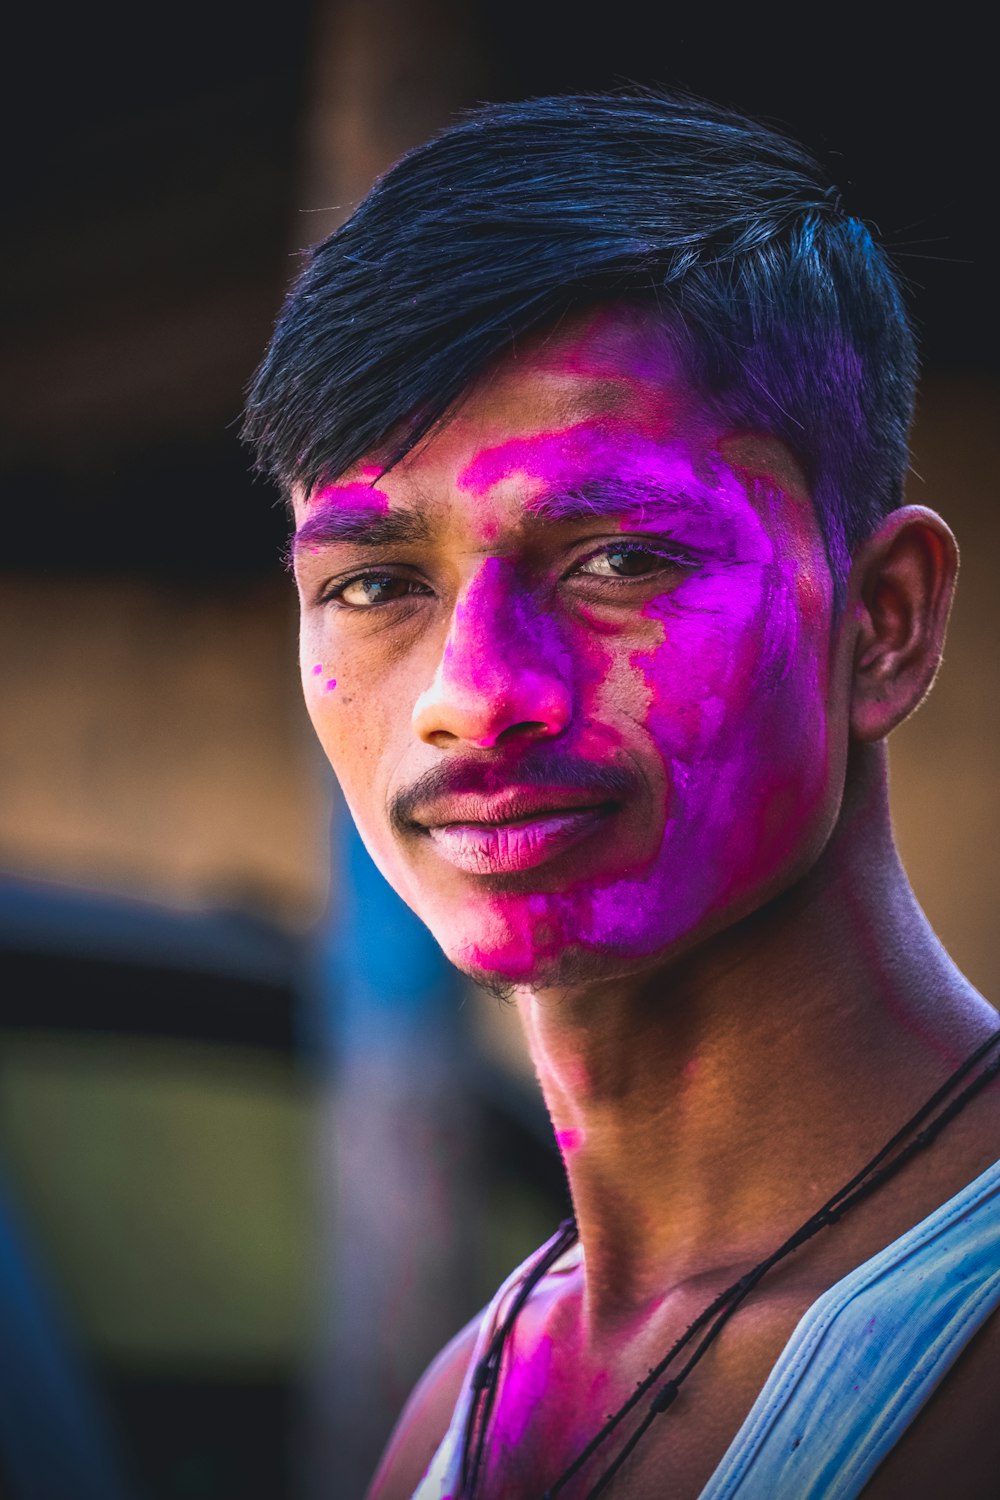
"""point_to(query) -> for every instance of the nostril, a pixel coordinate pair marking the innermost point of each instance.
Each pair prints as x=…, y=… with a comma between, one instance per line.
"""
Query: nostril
x=529, y=728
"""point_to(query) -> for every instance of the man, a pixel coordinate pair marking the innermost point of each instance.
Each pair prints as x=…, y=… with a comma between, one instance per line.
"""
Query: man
x=594, y=419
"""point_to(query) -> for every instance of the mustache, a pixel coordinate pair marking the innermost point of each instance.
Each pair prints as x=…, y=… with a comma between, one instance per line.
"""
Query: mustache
x=483, y=778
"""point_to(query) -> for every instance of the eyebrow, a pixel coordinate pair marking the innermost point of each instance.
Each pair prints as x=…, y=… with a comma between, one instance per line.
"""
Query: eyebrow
x=591, y=499
x=615, y=496
x=363, y=527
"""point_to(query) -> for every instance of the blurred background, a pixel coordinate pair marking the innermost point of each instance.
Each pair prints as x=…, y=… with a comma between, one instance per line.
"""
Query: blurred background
x=260, y=1153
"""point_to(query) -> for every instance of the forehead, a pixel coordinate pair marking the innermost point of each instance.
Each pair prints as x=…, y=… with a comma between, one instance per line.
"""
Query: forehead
x=603, y=396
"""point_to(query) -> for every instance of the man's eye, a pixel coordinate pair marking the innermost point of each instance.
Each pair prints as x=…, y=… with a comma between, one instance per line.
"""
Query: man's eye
x=366, y=590
x=629, y=560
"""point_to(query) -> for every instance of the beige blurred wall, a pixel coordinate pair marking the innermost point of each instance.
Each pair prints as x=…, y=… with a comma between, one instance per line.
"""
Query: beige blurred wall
x=153, y=741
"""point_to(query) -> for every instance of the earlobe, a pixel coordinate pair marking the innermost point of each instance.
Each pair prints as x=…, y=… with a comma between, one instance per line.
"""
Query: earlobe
x=900, y=593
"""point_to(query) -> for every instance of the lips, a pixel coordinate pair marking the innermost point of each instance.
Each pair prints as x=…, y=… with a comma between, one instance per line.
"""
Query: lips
x=512, y=830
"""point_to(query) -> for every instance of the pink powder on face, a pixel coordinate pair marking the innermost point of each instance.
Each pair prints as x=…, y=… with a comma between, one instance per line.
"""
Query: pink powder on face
x=351, y=495
x=335, y=515
x=594, y=449
x=317, y=669
x=315, y=514
x=729, y=696
x=331, y=683
x=607, y=333
x=714, y=689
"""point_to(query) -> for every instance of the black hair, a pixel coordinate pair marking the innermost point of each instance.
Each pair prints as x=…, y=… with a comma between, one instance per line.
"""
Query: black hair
x=783, y=308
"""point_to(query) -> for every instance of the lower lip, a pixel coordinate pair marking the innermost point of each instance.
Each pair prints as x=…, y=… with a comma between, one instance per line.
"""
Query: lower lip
x=484, y=849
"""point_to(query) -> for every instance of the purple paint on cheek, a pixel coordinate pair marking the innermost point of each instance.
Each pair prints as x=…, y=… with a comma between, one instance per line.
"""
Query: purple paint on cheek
x=330, y=684
x=737, y=712
x=317, y=669
x=727, y=691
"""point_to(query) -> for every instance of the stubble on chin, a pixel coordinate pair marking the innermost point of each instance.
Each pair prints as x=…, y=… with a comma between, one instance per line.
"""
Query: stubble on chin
x=573, y=968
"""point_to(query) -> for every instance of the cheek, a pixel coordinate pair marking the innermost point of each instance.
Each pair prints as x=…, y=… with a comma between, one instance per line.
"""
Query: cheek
x=737, y=710
x=609, y=692
x=734, y=654
x=328, y=695
x=357, y=725
x=317, y=679
x=319, y=676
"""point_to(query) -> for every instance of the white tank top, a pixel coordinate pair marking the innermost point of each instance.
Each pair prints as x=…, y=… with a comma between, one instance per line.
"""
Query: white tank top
x=859, y=1366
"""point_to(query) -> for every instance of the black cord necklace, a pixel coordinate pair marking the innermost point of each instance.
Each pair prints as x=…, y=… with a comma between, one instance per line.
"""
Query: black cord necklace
x=485, y=1379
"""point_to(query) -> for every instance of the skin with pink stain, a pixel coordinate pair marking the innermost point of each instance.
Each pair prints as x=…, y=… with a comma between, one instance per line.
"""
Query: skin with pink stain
x=569, y=1140
x=634, y=767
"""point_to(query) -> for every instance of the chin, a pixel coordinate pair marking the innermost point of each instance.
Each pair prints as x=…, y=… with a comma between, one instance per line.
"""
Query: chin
x=544, y=943
x=507, y=939
x=537, y=961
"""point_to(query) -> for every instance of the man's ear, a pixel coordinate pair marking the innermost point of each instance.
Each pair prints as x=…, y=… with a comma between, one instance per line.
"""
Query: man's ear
x=900, y=590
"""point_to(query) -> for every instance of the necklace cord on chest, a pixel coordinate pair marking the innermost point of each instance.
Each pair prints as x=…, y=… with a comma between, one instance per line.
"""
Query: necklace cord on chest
x=728, y=1301
x=486, y=1373
x=860, y=1186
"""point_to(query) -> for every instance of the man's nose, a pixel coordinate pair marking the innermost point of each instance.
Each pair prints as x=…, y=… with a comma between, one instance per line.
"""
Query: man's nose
x=499, y=677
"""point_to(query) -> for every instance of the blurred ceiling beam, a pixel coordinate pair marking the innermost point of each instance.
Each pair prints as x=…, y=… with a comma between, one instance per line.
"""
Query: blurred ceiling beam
x=384, y=76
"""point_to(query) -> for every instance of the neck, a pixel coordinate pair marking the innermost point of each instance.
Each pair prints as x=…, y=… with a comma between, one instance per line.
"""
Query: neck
x=707, y=1109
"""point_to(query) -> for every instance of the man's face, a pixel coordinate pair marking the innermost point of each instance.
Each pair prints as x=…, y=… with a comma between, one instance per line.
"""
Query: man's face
x=570, y=662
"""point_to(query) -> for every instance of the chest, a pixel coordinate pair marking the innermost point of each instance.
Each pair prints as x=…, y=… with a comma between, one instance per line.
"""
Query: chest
x=553, y=1401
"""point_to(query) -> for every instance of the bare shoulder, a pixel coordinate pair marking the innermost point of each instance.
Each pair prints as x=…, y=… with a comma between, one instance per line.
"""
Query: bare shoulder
x=424, y=1420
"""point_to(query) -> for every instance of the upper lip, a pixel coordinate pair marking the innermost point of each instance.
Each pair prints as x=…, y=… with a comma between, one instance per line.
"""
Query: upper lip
x=512, y=805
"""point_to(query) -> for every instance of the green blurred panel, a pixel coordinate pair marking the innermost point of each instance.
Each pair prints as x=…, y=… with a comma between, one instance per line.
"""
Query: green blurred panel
x=166, y=1187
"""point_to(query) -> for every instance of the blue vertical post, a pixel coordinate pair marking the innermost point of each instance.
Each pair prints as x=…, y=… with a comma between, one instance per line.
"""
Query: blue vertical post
x=396, y=1137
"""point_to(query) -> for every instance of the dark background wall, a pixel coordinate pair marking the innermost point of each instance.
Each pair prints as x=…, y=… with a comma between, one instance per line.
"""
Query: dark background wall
x=155, y=178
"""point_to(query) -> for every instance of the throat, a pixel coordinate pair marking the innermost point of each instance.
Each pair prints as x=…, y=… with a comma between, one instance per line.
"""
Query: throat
x=705, y=1109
